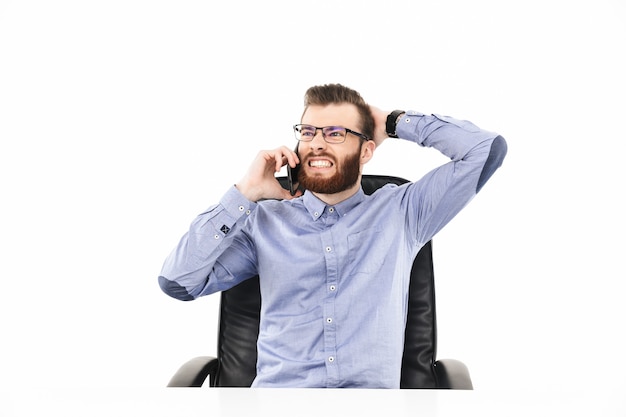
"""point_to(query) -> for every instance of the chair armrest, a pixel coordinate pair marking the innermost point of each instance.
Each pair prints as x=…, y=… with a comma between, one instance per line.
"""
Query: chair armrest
x=453, y=374
x=194, y=372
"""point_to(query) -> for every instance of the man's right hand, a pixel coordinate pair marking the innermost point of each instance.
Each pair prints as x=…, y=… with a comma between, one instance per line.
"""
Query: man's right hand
x=260, y=182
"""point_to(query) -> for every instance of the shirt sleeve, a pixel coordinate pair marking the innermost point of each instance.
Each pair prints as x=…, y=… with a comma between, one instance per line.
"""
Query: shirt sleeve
x=475, y=154
x=196, y=266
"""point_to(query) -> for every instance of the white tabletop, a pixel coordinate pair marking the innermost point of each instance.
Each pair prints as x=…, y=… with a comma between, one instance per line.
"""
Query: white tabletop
x=239, y=402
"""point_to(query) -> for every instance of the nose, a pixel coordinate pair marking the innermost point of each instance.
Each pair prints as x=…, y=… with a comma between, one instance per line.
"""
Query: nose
x=318, y=141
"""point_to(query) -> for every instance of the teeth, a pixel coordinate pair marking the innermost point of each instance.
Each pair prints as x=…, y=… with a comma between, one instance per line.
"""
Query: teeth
x=320, y=164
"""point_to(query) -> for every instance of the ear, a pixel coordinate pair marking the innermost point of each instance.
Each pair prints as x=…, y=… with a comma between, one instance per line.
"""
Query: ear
x=367, y=151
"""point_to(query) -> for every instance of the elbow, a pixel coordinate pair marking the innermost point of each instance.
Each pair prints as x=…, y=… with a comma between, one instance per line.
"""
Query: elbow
x=174, y=290
x=494, y=161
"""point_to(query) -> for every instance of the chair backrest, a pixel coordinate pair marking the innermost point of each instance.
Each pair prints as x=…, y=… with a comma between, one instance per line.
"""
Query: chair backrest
x=239, y=321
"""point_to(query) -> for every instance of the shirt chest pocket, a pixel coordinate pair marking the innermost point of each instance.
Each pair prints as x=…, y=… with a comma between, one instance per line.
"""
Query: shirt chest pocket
x=367, y=250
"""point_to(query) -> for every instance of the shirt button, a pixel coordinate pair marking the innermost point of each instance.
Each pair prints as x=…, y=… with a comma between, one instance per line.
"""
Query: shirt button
x=248, y=212
x=329, y=320
x=332, y=209
x=316, y=214
x=331, y=359
x=328, y=249
x=241, y=208
x=216, y=236
x=332, y=288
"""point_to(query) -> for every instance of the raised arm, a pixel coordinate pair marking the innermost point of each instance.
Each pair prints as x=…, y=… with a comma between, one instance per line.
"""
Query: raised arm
x=439, y=195
x=204, y=261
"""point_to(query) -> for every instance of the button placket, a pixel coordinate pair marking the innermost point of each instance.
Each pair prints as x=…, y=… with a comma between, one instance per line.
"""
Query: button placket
x=328, y=241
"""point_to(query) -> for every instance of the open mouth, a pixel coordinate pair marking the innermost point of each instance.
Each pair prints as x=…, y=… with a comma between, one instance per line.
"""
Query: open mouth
x=320, y=163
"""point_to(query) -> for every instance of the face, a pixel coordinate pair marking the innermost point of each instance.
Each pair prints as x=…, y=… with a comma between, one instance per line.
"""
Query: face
x=332, y=168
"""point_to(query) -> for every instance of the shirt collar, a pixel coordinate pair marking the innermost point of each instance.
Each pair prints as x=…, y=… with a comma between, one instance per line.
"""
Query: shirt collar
x=316, y=207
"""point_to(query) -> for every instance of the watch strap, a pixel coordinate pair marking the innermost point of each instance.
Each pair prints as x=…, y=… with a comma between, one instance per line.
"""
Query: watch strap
x=392, y=121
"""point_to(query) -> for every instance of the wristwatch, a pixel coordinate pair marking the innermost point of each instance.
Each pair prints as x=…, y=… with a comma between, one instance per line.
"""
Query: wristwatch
x=392, y=122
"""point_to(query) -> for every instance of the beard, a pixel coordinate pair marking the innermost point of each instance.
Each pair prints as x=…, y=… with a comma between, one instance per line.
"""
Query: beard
x=347, y=175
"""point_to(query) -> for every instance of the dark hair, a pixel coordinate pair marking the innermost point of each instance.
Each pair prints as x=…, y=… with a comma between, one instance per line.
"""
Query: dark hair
x=338, y=94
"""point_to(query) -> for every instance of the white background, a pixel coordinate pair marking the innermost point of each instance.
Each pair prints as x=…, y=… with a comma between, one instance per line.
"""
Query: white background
x=122, y=120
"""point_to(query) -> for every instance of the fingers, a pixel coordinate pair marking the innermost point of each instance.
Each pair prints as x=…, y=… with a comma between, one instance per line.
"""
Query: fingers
x=259, y=181
x=380, y=122
x=292, y=157
x=284, y=156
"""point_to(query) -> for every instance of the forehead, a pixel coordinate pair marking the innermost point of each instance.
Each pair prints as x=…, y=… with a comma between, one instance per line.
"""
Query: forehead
x=344, y=114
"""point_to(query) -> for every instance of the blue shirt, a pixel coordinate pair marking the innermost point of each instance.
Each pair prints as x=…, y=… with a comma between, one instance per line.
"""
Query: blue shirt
x=334, y=279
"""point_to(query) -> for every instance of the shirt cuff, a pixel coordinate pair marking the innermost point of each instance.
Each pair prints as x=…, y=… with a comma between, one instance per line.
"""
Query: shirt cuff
x=236, y=204
x=406, y=128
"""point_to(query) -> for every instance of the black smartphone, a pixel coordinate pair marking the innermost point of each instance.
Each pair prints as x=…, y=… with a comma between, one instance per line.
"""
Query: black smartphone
x=292, y=175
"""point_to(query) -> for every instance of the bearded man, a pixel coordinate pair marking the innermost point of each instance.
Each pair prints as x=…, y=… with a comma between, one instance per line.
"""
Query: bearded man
x=333, y=263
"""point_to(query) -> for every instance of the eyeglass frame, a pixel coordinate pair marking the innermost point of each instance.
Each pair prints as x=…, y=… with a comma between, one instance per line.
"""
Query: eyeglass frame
x=355, y=133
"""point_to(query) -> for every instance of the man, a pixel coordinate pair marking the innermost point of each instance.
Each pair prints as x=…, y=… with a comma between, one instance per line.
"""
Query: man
x=334, y=264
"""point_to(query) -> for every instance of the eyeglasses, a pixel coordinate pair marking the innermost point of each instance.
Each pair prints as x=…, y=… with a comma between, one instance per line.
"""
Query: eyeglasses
x=331, y=134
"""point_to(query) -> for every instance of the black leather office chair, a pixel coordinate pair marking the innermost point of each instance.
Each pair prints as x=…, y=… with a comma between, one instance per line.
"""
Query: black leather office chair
x=235, y=363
